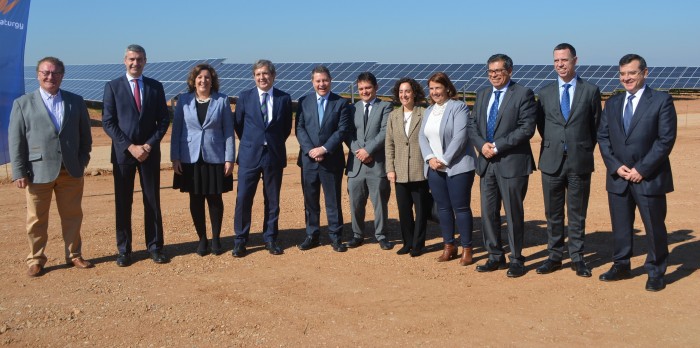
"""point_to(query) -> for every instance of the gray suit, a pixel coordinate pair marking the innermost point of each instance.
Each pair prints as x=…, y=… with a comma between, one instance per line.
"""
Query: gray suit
x=504, y=177
x=566, y=163
x=369, y=180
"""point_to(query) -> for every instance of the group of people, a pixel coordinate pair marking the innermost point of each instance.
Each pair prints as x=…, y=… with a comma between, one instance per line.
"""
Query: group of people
x=431, y=156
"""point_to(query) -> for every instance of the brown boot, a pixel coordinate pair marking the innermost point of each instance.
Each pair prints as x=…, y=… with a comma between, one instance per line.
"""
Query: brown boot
x=448, y=253
x=466, y=259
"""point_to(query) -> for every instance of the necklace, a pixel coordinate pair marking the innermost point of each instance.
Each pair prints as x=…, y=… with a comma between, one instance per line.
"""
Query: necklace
x=202, y=101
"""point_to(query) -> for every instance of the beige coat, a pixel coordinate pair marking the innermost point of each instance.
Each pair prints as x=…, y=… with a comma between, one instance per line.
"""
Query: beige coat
x=403, y=154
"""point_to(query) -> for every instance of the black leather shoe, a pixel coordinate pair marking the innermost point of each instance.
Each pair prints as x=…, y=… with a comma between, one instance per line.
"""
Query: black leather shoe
x=616, y=272
x=273, y=248
x=123, y=260
x=159, y=257
x=308, y=243
x=415, y=252
x=216, y=248
x=356, y=242
x=239, y=250
x=655, y=284
x=548, y=267
x=516, y=270
x=581, y=269
x=405, y=249
x=339, y=247
x=386, y=245
x=202, y=247
x=491, y=266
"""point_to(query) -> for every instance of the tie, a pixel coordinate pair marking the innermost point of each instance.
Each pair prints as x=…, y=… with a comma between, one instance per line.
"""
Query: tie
x=320, y=110
x=627, y=115
x=566, y=102
x=493, y=113
x=137, y=94
x=263, y=108
x=366, y=115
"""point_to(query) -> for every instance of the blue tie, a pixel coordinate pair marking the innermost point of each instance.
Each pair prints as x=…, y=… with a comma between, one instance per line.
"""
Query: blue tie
x=566, y=102
x=263, y=108
x=493, y=114
x=320, y=110
x=627, y=115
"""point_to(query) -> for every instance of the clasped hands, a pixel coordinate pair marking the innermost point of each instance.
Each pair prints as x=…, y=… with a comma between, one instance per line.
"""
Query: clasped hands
x=317, y=153
x=140, y=152
x=489, y=150
x=364, y=156
x=631, y=175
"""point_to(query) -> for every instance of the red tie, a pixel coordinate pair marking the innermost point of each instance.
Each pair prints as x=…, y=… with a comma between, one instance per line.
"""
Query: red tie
x=137, y=94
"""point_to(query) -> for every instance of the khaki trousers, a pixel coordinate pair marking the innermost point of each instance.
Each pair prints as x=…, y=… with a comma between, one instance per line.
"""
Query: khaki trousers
x=69, y=196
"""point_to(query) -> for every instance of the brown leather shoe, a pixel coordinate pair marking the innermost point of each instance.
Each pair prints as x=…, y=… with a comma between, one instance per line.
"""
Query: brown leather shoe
x=79, y=262
x=467, y=258
x=35, y=270
x=448, y=253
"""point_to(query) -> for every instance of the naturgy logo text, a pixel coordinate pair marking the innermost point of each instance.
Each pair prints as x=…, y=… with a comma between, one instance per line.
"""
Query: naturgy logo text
x=6, y=7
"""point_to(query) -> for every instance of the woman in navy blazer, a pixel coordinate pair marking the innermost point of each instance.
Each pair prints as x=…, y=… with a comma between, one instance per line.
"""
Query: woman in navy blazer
x=449, y=165
x=202, y=150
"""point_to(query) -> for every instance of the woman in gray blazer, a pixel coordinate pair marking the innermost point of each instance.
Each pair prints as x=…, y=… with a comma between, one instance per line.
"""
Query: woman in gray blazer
x=404, y=164
x=202, y=151
x=449, y=165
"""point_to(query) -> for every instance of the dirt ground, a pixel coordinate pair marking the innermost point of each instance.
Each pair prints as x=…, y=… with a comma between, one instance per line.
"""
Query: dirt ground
x=364, y=297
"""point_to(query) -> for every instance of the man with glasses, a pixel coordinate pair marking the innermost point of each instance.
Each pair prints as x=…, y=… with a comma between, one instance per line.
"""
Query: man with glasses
x=50, y=144
x=636, y=135
x=502, y=124
x=567, y=119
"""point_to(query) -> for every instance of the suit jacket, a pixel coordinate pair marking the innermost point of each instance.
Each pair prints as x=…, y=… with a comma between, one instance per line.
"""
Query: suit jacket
x=578, y=133
x=37, y=150
x=403, y=153
x=456, y=149
x=515, y=125
x=645, y=147
x=371, y=139
x=253, y=133
x=213, y=139
x=123, y=123
x=335, y=128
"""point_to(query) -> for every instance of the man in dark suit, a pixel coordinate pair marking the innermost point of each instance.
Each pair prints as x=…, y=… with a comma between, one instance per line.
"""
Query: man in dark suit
x=49, y=141
x=324, y=121
x=567, y=119
x=501, y=128
x=636, y=135
x=135, y=115
x=263, y=123
x=366, y=170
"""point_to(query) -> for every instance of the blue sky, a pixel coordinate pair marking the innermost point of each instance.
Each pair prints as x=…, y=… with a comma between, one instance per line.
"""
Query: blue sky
x=94, y=31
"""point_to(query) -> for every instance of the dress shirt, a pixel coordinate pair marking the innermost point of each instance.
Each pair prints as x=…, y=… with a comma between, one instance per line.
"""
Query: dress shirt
x=325, y=105
x=432, y=132
x=131, y=85
x=571, y=89
x=54, y=105
x=269, y=102
x=371, y=105
x=500, y=103
x=635, y=101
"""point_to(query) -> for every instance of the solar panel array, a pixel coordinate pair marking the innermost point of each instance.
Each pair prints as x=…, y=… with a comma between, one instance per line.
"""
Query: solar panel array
x=294, y=78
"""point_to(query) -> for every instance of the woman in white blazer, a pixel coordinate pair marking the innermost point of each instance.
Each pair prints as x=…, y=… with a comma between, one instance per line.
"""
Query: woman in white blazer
x=449, y=165
x=202, y=151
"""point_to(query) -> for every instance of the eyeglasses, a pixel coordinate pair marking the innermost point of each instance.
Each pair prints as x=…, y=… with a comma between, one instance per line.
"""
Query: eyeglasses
x=630, y=73
x=495, y=71
x=48, y=73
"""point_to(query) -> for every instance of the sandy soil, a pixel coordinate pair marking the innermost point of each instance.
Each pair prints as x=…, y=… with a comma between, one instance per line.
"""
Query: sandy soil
x=365, y=297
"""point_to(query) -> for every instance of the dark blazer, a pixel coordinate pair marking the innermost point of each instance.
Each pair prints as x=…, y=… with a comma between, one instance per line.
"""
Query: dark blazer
x=126, y=126
x=37, y=150
x=515, y=125
x=371, y=139
x=646, y=146
x=253, y=133
x=336, y=127
x=213, y=139
x=578, y=133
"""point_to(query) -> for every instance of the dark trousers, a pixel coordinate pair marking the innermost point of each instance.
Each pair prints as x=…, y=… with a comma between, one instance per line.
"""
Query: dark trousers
x=573, y=190
x=216, y=214
x=453, y=197
x=149, y=176
x=511, y=191
x=330, y=180
x=410, y=196
x=652, y=209
x=248, y=179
